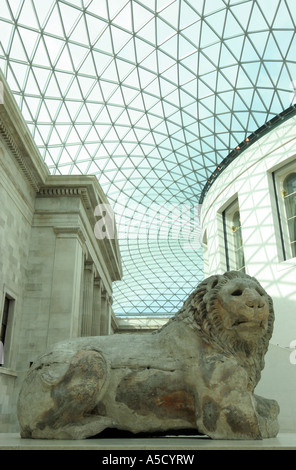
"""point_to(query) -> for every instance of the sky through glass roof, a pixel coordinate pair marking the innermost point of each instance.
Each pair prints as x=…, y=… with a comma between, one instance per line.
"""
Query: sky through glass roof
x=150, y=97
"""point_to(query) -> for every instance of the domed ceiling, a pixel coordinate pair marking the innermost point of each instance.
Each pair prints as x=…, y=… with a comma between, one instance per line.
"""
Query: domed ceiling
x=150, y=96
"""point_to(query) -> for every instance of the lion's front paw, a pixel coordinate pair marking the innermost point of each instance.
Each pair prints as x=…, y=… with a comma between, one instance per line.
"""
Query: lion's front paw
x=268, y=411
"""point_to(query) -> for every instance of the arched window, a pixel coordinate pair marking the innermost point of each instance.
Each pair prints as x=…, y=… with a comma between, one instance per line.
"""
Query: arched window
x=233, y=239
x=238, y=241
x=289, y=193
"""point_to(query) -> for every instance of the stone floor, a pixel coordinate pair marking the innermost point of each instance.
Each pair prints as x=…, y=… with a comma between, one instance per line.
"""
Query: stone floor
x=192, y=443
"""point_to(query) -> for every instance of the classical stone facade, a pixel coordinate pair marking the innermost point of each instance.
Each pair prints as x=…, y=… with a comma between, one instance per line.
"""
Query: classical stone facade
x=56, y=276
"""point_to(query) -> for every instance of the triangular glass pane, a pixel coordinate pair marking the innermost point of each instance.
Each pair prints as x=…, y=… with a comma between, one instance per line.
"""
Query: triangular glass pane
x=187, y=16
x=17, y=75
x=217, y=22
x=73, y=108
x=114, y=6
x=264, y=79
x=283, y=19
x=83, y=116
x=53, y=24
x=141, y=15
x=104, y=42
x=276, y=106
x=17, y=49
x=272, y=52
x=33, y=105
x=283, y=40
x=15, y=7
x=205, y=66
x=77, y=54
x=226, y=57
x=128, y=52
x=269, y=8
x=119, y=38
x=164, y=31
x=42, y=10
x=257, y=21
x=54, y=138
x=249, y=54
x=6, y=30
x=145, y=77
x=185, y=47
x=96, y=96
x=171, y=14
x=86, y=84
x=29, y=39
x=98, y=7
x=63, y=131
x=52, y=89
x=208, y=37
x=70, y=16
x=27, y=15
x=53, y=107
x=124, y=17
x=63, y=116
x=232, y=26
x=41, y=56
x=43, y=114
x=31, y=85
x=87, y=67
x=110, y=73
x=80, y=33
x=212, y=6
x=163, y=61
x=148, y=32
x=242, y=13
x=108, y=89
x=64, y=80
x=65, y=61
x=95, y=27
x=54, y=47
x=5, y=12
x=243, y=80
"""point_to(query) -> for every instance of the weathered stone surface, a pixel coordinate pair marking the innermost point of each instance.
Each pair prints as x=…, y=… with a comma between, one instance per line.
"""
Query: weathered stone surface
x=197, y=373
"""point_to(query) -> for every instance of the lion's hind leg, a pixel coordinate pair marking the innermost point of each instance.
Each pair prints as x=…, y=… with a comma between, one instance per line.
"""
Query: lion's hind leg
x=71, y=399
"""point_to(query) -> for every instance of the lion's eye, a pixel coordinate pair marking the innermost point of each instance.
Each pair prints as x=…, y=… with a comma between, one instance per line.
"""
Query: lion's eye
x=237, y=292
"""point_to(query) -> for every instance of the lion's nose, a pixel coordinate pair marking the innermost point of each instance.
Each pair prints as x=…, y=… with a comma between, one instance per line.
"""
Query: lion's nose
x=253, y=299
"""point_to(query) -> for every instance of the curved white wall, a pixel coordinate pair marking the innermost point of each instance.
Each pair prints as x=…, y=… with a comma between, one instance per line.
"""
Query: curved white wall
x=249, y=179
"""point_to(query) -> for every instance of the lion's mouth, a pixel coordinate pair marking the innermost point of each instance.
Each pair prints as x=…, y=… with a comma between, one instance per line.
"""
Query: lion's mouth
x=248, y=324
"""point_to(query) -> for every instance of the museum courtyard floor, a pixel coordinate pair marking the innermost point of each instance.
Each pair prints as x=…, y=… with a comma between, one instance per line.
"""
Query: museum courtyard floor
x=284, y=441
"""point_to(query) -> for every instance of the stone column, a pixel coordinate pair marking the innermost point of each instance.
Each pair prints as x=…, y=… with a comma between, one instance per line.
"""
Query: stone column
x=106, y=313
x=97, y=308
x=65, y=299
x=88, y=294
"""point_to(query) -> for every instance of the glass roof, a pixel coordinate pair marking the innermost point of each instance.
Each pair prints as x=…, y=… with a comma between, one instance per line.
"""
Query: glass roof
x=150, y=97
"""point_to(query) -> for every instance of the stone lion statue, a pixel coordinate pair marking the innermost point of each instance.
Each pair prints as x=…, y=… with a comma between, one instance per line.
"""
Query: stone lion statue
x=195, y=374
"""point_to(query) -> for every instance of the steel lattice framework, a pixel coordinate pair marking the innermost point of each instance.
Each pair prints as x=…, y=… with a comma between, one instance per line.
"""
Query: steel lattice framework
x=150, y=97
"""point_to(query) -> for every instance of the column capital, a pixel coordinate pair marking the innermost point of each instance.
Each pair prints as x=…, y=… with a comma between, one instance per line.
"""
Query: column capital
x=69, y=232
x=98, y=281
x=89, y=266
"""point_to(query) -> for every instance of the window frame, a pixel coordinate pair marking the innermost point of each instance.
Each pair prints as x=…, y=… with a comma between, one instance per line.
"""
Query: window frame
x=229, y=239
x=279, y=176
x=8, y=326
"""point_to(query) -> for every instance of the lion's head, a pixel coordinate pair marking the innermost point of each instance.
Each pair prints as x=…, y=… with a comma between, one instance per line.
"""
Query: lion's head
x=234, y=314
